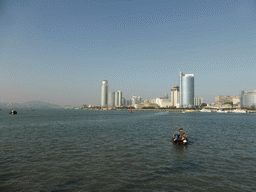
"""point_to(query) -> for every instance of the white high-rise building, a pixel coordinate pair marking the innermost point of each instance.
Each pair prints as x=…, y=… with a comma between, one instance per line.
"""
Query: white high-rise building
x=248, y=99
x=116, y=99
x=186, y=90
x=175, y=94
x=104, y=93
x=119, y=98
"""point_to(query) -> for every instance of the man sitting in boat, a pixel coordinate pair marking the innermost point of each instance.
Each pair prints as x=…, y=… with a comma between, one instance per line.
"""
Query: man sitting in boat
x=179, y=135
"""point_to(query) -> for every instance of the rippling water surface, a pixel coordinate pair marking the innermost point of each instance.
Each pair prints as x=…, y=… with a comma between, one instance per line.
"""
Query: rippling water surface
x=79, y=150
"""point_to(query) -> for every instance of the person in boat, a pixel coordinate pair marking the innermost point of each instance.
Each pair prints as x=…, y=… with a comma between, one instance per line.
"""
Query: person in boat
x=179, y=133
x=180, y=136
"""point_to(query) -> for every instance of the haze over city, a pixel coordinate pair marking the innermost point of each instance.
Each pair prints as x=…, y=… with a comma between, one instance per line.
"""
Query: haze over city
x=60, y=51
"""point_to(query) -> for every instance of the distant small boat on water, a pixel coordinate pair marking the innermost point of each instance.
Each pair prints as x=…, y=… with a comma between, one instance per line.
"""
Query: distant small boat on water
x=188, y=111
x=221, y=111
x=13, y=112
x=239, y=111
x=206, y=110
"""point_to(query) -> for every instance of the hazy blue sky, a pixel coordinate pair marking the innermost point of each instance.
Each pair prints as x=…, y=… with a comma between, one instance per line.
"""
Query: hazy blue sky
x=59, y=51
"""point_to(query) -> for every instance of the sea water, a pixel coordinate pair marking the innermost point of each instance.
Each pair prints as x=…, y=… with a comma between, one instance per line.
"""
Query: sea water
x=89, y=150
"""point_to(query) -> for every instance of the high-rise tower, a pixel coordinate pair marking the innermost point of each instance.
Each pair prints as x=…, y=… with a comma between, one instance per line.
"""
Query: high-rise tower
x=175, y=95
x=116, y=99
x=186, y=90
x=111, y=99
x=104, y=93
x=119, y=98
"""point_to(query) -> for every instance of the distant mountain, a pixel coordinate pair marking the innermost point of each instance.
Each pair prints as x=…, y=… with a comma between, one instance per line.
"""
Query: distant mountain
x=29, y=105
x=39, y=104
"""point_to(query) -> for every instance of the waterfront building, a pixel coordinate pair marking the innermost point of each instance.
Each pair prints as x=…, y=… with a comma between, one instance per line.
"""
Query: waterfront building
x=111, y=99
x=186, y=90
x=166, y=96
x=248, y=99
x=146, y=105
x=119, y=98
x=161, y=102
x=221, y=100
x=116, y=99
x=198, y=101
x=136, y=100
x=175, y=94
x=104, y=93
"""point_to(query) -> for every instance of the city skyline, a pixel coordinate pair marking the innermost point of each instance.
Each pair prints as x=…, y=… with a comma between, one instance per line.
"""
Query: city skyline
x=59, y=52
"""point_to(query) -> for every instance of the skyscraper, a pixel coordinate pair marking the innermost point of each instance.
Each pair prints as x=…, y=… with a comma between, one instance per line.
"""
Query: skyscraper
x=116, y=99
x=111, y=99
x=175, y=95
x=104, y=93
x=119, y=98
x=186, y=90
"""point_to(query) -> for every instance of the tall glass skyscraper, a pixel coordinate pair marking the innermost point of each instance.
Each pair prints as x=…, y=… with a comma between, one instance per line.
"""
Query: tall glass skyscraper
x=116, y=99
x=111, y=99
x=186, y=90
x=119, y=98
x=104, y=93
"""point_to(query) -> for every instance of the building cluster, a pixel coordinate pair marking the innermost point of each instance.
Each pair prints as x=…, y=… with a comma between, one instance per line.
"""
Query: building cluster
x=110, y=99
x=182, y=96
x=221, y=100
x=245, y=100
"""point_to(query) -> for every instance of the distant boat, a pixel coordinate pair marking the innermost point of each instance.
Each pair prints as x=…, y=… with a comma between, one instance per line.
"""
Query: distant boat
x=13, y=112
x=130, y=109
x=239, y=111
x=221, y=111
x=189, y=111
x=206, y=110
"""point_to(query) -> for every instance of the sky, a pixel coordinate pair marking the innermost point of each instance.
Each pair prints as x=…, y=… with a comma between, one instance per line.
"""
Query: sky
x=59, y=51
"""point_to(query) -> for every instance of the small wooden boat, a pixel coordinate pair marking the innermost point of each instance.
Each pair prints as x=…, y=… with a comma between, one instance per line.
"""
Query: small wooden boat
x=13, y=112
x=180, y=137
